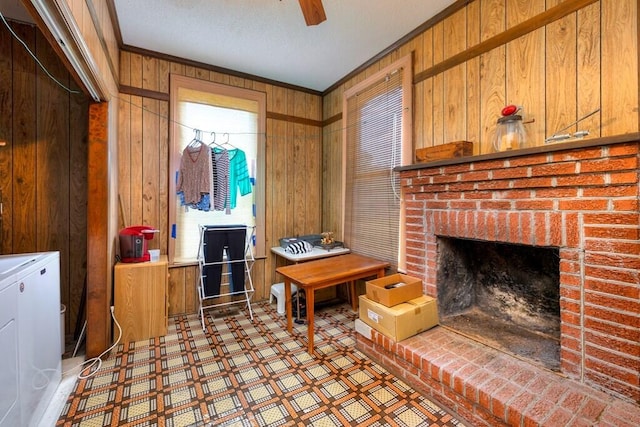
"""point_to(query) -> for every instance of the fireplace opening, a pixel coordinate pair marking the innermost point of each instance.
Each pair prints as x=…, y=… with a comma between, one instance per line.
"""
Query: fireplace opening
x=503, y=295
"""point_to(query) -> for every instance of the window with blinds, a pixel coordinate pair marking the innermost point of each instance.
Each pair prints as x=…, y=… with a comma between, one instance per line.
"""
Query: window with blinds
x=229, y=119
x=378, y=138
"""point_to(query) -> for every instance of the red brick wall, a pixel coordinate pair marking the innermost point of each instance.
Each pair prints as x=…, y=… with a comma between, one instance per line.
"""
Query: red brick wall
x=584, y=201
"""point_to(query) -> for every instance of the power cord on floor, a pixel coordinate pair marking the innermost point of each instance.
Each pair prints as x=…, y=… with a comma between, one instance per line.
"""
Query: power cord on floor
x=94, y=364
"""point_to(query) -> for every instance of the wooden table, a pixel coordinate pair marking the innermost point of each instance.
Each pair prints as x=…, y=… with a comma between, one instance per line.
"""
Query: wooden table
x=315, y=253
x=323, y=273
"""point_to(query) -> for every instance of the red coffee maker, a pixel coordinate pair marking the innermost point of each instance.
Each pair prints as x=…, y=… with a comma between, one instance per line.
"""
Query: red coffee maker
x=133, y=243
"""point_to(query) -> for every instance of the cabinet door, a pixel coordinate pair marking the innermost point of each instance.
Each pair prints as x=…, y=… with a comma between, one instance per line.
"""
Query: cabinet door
x=140, y=300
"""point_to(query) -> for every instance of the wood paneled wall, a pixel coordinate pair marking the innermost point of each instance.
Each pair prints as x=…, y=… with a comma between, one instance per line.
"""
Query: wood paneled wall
x=558, y=59
x=43, y=166
x=293, y=163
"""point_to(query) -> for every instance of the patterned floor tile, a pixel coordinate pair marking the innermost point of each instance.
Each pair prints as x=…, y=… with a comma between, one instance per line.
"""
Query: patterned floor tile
x=245, y=373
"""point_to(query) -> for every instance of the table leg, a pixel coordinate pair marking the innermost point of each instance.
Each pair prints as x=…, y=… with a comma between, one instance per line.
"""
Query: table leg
x=287, y=303
x=310, y=305
x=352, y=293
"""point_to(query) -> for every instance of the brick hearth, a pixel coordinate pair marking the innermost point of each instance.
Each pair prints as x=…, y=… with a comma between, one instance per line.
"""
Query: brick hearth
x=491, y=388
x=582, y=198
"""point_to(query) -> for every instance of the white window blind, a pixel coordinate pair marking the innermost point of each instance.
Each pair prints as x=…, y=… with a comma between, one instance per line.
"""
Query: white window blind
x=374, y=146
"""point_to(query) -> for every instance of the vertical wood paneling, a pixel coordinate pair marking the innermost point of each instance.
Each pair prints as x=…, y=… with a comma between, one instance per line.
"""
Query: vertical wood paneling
x=426, y=93
x=190, y=296
x=124, y=166
x=163, y=75
x=455, y=33
x=25, y=115
x=299, y=164
x=619, y=66
x=418, y=98
x=236, y=81
x=6, y=136
x=525, y=77
x=270, y=206
x=455, y=110
x=124, y=142
x=492, y=18
x=437, y=100
x=150, y=160
x=135, y=70
x=150, y=163
x=418, y=120
x=588, y=68
x=135, y=203
x=77, y=239
x=176, y=68
x=176, y=291
x=125, y=69
x=276, y=178
x=332, y=175
x=492, y=73
x=313, y=163
x=455, y=83
x=561, y=84
x=204, y=74
x=161, y=240
x=473, y=77
x=296, y=174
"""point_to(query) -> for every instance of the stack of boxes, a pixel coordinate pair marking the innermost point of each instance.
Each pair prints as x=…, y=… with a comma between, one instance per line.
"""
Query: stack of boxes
x=395, y=306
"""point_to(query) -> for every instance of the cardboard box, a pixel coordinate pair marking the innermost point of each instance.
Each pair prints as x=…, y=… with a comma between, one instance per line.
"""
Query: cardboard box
x=400, y=321
x=444, y=151
x=404, y=289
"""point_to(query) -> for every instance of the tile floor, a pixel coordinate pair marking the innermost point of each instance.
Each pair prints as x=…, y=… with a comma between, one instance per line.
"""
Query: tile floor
x=248, y=373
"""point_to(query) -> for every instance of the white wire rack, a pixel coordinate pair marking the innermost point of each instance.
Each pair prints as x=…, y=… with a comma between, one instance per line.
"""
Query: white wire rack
x=217, y=237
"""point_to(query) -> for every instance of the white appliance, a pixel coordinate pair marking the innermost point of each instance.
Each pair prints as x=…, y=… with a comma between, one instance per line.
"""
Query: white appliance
x=30, y=362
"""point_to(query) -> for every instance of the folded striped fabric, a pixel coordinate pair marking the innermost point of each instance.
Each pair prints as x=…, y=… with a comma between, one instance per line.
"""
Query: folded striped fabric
x=301, y=247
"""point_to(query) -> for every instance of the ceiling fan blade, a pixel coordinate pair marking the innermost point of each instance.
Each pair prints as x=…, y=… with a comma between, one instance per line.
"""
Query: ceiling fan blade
x=313, y=11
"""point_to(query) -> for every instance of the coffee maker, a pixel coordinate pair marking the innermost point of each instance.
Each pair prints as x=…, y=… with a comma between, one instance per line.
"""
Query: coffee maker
x=134, y=243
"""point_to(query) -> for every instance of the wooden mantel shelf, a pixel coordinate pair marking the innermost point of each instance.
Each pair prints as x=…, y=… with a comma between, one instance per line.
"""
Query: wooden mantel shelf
x=558, y=146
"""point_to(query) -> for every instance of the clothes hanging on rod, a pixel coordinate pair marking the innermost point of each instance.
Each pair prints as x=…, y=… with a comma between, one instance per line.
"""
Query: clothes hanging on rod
x=194, y=178
x=239, y=180
x=226, y=175
x=220, y=179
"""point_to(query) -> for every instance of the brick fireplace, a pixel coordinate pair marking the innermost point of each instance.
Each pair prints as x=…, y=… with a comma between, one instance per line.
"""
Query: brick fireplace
x=582, y=199
x=503, y=295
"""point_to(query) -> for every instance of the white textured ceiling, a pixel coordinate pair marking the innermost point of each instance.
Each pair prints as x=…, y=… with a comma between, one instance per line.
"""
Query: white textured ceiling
x=269, y=38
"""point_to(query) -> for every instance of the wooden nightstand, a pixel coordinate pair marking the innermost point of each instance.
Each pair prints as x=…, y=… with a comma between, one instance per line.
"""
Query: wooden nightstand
x=140, y=299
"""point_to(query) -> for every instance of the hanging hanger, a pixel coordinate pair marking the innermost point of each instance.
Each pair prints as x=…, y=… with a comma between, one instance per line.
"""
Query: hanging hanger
x=213, y=141
x=227, y=143
x=197, y=139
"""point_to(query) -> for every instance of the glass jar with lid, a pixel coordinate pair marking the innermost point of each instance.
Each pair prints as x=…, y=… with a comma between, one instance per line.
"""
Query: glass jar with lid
x=510, y=134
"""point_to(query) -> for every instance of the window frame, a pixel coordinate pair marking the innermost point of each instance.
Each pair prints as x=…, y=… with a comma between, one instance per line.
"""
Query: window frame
x=175, y=153
x=404, y=65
